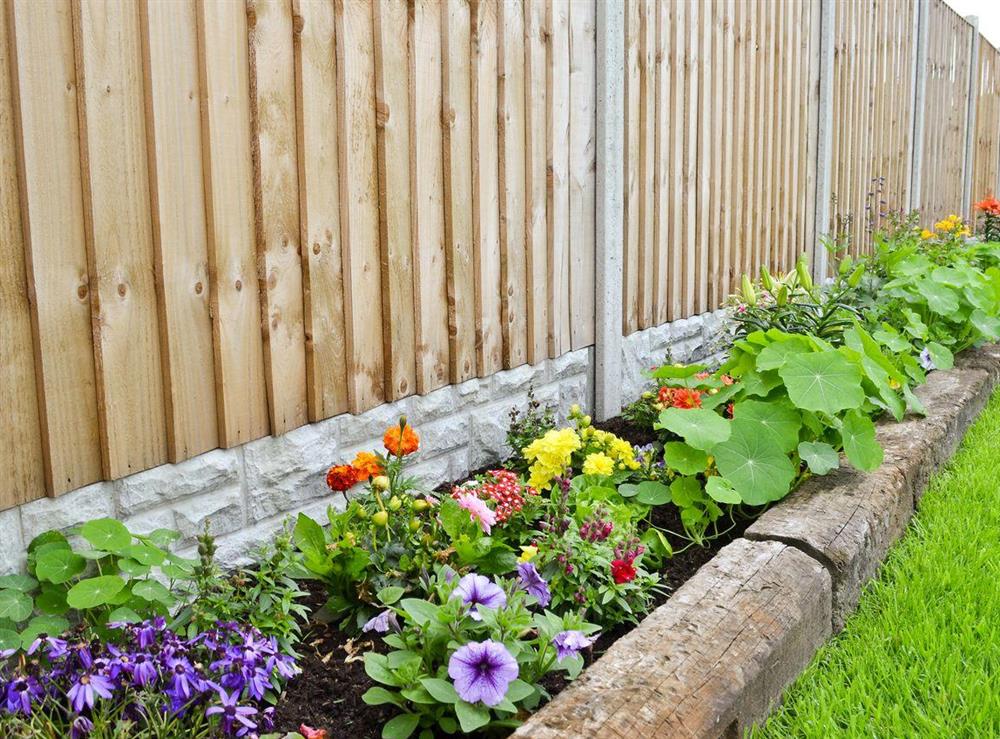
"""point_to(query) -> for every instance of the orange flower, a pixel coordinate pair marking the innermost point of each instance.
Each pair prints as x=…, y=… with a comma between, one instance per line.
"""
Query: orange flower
x=665, y=395
x=990, y=206
x=727, y=380
x=687, y=398
x=401, y=441
x=366, y=465
x=341, y=477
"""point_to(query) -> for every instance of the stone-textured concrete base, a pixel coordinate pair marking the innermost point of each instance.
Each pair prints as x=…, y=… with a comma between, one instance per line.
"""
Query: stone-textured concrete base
x=710, y=661
x=717, y=656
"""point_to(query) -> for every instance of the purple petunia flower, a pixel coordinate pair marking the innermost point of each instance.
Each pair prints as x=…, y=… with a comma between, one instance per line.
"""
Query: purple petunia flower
x=479, y=590
x=532, y=583
x=233, y=713
x=482, y=671
x=382, y=623
x=925, y=359
x=569, y=643
x=88, y=687
x=21, y=693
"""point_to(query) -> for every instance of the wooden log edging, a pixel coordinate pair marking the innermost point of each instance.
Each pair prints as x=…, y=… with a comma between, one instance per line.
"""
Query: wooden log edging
x=717, y=656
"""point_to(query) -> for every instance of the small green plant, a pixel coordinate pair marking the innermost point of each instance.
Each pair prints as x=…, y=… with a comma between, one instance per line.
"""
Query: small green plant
x=525, y=427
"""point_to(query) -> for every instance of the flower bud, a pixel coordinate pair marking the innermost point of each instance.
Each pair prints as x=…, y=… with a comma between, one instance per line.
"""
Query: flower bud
x=414, y=525
x=394, y=503
x=380, y=519
x=420, y=505
x=380, y=482
x=362, y=513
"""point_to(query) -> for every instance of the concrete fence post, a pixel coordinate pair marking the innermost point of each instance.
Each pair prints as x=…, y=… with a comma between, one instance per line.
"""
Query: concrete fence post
x=919, y=103
x=824, y=138
x=610, y=29
x=970, y=118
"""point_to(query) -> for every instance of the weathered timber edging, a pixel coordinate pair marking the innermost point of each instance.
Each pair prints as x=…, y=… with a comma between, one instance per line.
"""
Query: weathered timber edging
x=716, y=657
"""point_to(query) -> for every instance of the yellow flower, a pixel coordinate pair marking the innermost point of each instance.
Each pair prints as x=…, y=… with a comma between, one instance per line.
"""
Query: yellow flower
x=550, y=456
x=945, y=225
x=925, y=234
x=965, y=231
x=598, y=463
x=527, y=553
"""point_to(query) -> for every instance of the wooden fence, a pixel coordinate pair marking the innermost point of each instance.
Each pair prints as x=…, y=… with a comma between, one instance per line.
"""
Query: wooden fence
x=222, y=219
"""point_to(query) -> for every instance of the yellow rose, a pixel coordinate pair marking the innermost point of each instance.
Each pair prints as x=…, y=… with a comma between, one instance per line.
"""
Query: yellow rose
x=598, y=463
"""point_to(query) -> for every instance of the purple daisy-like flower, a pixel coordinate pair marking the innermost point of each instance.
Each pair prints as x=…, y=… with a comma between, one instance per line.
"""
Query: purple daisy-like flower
x=233, y=713
x=478, y=590
x=925, y=359
x=21, y=693
x=81, y=727
x=382, y=623
x=532, y=583
x=56, y=647
x=569, y=643
x=87, y=689
x=482, y=671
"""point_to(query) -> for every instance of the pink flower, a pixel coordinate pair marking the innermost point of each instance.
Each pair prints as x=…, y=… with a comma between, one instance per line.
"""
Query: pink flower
x=478, y=510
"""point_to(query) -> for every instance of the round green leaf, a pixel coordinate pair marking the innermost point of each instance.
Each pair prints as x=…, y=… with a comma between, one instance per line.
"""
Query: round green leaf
x=52, y=601
x=941, y=355
x=820, y=456
x=51, y=625
x=18, y=582
x=755, y=465
x=653, y=493
x=778, y=421
x=684, y=458
x=106, y=534
x=9, y=639
x=822, y=381
x=163, y=538
x=151, y=590
x=700, y=428
x=95, y=591
x=15, y=605
x=860, y=445
x=58, y=565
x=47, y=537
x=685, y=491
x=132, y=568
x=124, y=615
x=721, y=490
x=144, y=554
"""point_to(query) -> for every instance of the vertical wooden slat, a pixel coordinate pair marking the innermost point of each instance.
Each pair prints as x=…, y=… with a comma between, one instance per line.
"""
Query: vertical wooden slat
x=276, y=194
x=456, y=76
x=535, y=59
x=427, y=191
x=486, y=187
x=727, y=200
x=358, y=160
x=20, y=432
x=677, y=217
x=557, y=145
x=633, y=134
x=582, y=165
x=223, y=69
x=173, y=139
x=43, y=80
x=705, y=154
x=646, y=159
x=513, y=179
x=119, y=236
x=661, y=159
x=319, y=211
x=713, y=273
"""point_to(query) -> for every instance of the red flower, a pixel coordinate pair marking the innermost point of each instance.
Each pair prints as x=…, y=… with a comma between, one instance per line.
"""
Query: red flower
x=990, y=206
x=342, y=477
x=687, y=398
x=665, y=395
x=622, y=570
x=310, y=733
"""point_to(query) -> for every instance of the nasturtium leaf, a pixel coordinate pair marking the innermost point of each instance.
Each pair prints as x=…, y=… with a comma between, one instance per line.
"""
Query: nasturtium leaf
x=15, y=605
x=653, y=493
x=378, y=696
x=891, y=339
x=714, y=400
x=820, y=456
x=699, y=427
x=685, y=491
x=913, y=403
x=124, y=615
x=145, y=554
x=941, y=356
x=986, y=324
x=106, y=534
x=389, y=595
x=721, y=490
x=940, y=298
x=58, y=565
x=471, y=717
x=18, y=582
x=92, y=554
x=9, y=639
x=759, y=383
x=163, y=538
x=823, y=381
x=50, y=625
x=684, y=458
x=152, y=591
x=94, y=591
x=862, y=342
x=442, y=690
x=776, y=355
x=401, y=726
x=860, y=445
x=47, y=537
x=674, y=371
x=52, y=601
x=132, y=568
x=778, y=420
x=628, y=490
x=755, y=465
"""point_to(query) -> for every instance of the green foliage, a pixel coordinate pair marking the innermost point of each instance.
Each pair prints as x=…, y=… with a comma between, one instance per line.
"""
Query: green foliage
x=524, y=428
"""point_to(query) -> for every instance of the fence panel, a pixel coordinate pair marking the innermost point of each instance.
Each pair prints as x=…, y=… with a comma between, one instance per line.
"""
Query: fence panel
x=986, y=146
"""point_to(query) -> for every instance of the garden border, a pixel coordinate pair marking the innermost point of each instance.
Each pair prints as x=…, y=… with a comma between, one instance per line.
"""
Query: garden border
x=717, y=656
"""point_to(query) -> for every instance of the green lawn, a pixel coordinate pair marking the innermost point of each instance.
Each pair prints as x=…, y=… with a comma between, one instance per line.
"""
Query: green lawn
x=921, y=656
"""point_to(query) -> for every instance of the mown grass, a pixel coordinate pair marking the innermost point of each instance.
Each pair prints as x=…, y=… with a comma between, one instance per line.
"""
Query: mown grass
x=921, y=656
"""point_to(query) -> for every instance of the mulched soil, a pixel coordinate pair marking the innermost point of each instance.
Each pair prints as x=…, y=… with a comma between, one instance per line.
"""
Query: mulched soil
x=328, y=693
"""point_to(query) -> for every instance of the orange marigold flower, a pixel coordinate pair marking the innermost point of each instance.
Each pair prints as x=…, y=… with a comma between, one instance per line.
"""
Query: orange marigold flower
x=366, y=465
x=727, y=380
x=341, y=477
x=665, y=395
x=687, y=398
x=990, y=206
x=401, y=441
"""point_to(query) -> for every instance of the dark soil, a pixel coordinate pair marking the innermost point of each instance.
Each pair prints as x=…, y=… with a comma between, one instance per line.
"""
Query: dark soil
x=328, y=693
